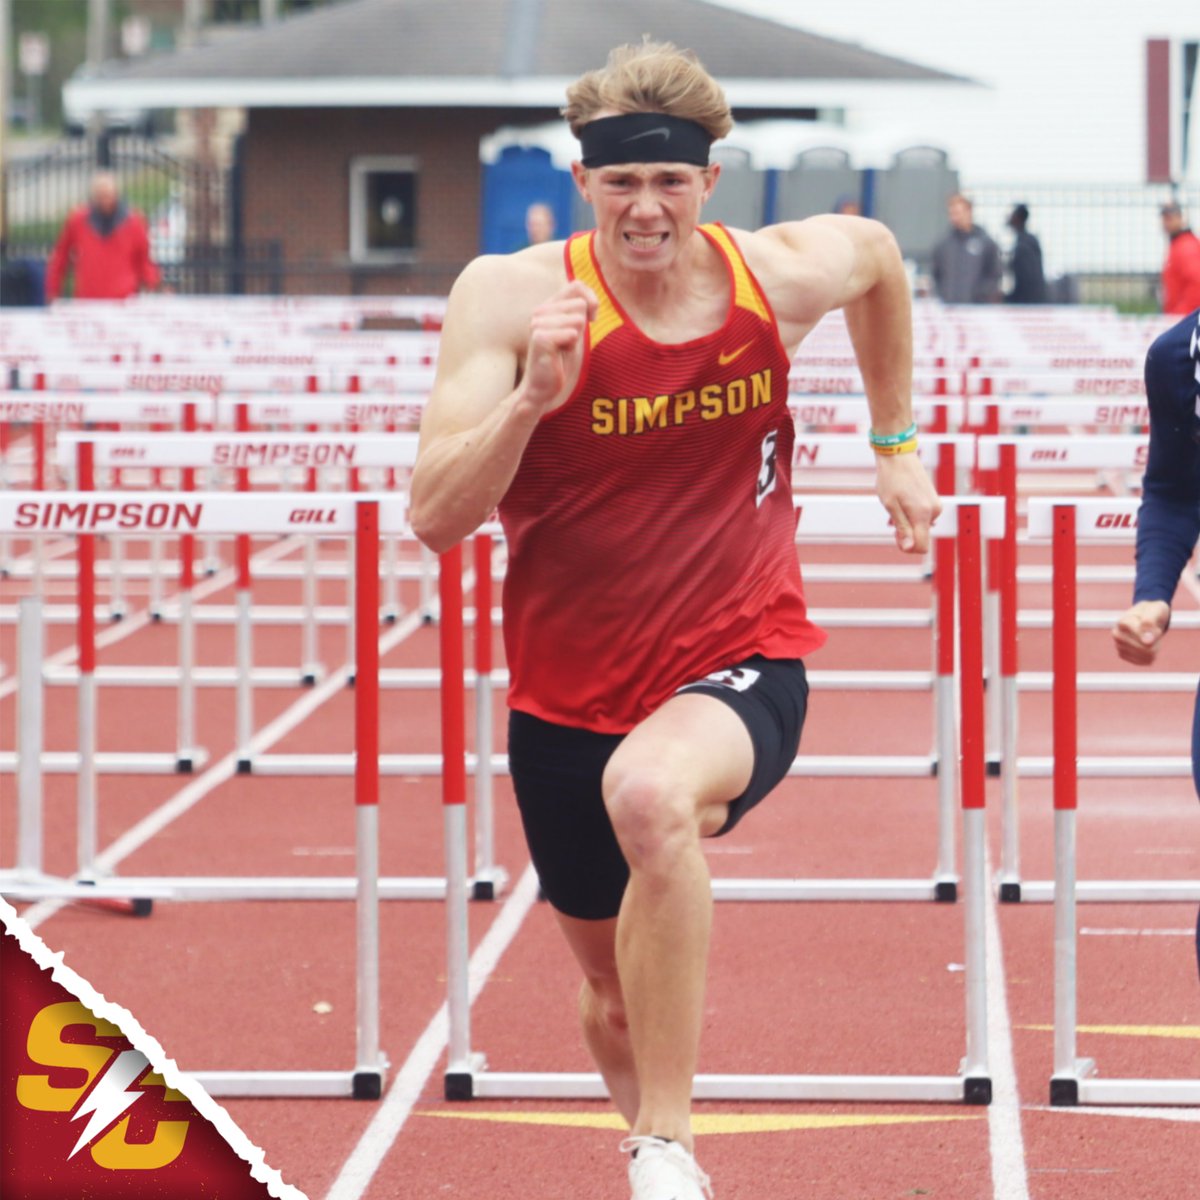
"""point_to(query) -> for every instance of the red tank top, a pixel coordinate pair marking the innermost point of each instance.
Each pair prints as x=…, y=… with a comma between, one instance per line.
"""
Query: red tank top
x=650, y=524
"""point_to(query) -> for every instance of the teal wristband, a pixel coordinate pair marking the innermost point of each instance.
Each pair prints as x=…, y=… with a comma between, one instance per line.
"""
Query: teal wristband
x=892, y=439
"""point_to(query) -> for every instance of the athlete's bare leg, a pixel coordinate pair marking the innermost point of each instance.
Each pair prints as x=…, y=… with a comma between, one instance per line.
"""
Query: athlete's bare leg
x=667, y=785
x=602, y=1009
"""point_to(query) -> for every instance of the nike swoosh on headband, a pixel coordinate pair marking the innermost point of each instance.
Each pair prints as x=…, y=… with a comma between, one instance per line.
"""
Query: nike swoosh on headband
x=659, y=131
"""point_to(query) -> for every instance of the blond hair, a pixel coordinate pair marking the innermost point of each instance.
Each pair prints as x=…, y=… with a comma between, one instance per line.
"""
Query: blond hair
x=650, y=77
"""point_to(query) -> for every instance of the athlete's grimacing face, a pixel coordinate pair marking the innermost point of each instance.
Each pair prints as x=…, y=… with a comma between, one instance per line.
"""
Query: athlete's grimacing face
x=645, y=212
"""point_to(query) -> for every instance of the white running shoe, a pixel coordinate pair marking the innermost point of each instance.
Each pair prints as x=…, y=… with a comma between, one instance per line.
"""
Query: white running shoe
x=662, y=1170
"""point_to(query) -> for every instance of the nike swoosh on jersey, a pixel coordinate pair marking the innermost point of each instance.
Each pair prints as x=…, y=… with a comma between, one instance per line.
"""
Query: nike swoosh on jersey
x=658, y=131
x=724, y=359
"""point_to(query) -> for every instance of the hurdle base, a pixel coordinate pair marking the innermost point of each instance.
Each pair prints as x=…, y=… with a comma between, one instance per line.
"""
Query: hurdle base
x=945, y=891
x=367, y=1085
x=487, y=885
x=885, y=1089
x=1010, y=893
x=245, y=766
x=977, y=1089
x=992, y=767
x=1065, y=1089
x=185, y=764
x=459, y=1083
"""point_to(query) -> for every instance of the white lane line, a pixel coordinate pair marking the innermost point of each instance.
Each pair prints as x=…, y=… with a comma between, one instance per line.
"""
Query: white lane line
x=1136, y=932
x=221, y=771
x=1188, y=1115
x=359, y=1169
x=1009, y=1178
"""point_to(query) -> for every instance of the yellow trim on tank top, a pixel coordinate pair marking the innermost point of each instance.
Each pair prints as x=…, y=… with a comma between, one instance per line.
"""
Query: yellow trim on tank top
x=607, y=318
x=745, y=294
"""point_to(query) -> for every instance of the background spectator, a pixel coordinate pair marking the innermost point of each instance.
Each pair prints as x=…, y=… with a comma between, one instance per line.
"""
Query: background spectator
x=539, y=223
x=1029, y=280
x=105, y=245
x=966, y=262
x=1181, y=270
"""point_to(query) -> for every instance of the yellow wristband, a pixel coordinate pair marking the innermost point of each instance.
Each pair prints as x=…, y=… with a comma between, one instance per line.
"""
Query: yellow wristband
x=908, y=447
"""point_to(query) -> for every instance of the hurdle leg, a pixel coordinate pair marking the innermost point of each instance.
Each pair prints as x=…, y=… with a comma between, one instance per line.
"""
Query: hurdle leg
x=391, y=595
x=31, y=643
x=156, y=583
x=86, y=779
x=1064, y=1084
x=488, y=877
x=116, y=585
x=991, y=669
x=1006, y=559
x=946, y=874
x=368, y=1074
x=977, y=1083
x=944, y=708
x=186, y=753
x=310, y=670
x=245, y=667
x=1010, y=845
x=460, y=1066
x=428, y=568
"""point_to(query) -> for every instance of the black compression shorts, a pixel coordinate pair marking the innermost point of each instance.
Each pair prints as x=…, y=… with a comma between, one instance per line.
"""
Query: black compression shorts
x=557, y=771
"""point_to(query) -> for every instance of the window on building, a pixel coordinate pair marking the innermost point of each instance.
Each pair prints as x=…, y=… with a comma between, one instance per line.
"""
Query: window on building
x=383, y=209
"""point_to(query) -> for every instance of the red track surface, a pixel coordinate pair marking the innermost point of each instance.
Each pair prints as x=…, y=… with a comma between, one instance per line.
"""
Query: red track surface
x=795, y=988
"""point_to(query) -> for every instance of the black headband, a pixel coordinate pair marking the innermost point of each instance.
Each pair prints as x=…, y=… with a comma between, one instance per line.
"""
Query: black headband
x=644, y=137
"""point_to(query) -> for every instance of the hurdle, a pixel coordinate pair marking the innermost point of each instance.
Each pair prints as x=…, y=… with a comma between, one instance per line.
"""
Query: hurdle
x=1004, y=456
x=1073, y=1080
x=1062, y=523
x=467, y=1075
x=221, y=514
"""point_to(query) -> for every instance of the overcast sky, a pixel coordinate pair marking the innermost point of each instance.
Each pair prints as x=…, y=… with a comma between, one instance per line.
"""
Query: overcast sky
x=1065, y=94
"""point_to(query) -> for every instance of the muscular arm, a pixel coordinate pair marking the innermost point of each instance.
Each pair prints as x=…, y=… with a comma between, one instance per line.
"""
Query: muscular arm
x=855, y=264
x=479, y=418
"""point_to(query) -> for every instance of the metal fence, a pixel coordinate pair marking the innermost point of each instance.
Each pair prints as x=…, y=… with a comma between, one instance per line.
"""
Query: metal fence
x=1105, y=241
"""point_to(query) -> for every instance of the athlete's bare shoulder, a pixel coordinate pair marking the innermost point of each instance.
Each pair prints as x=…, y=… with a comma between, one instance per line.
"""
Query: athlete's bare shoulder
x=805, y=267
x=495, y=295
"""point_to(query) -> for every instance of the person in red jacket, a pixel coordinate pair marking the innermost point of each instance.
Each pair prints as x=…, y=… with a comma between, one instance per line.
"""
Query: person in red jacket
x=105, y=244
x=1181, y=271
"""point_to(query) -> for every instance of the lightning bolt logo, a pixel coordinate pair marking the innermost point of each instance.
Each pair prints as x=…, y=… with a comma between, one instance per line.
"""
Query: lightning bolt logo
x=110, y=1097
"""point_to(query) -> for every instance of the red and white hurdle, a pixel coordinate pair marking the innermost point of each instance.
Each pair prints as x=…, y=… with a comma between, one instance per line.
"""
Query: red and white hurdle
x=965, y=520
x=1074, y=1080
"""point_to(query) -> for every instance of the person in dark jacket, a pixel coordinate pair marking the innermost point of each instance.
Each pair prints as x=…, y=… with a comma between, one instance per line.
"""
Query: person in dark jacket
x=1029, y=280
x=106, y=246
x=966, y=262
x=1169, y=515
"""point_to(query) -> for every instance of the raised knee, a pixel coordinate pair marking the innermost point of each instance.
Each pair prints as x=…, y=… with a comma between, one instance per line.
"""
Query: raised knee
x=652, y=817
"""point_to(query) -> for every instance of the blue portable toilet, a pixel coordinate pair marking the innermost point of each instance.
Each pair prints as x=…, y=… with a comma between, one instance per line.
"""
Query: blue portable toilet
x=518, y=177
